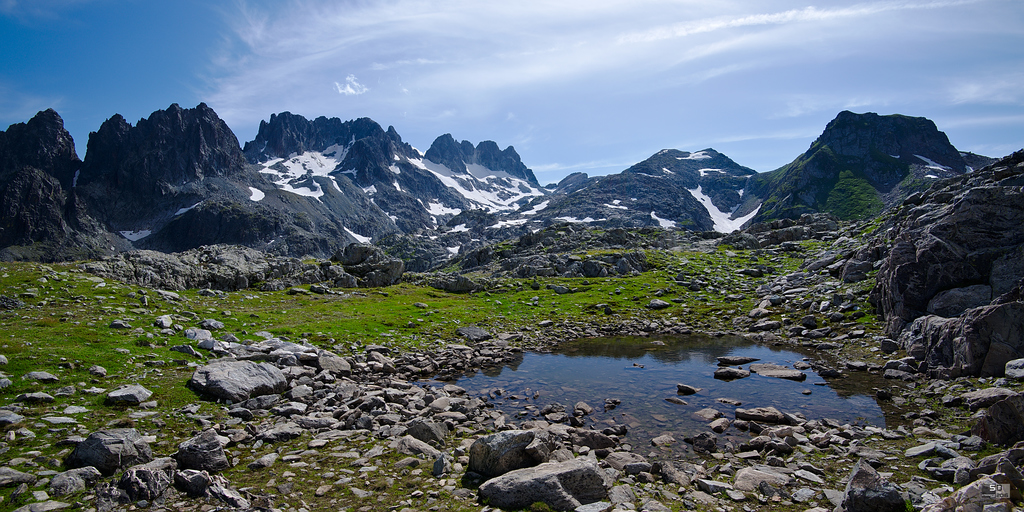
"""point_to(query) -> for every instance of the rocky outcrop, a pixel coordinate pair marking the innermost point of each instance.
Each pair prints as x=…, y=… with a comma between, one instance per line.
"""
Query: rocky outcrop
x=954, y=247
x=230, y=268
x=237, y=380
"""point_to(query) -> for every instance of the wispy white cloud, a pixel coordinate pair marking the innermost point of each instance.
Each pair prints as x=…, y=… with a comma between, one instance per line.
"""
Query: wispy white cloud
x=351, y=87
x=998, y=89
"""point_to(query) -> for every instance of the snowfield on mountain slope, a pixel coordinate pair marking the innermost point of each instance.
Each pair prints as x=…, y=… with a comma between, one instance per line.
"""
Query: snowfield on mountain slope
x=723, y=221
x=493, y=197
x=294, y=174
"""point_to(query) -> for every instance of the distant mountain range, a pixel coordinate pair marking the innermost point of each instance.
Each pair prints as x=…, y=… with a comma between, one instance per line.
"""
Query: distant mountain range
x=179, y=179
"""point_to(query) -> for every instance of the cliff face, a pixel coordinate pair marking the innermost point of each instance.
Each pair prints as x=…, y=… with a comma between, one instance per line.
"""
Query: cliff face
x=40, y=215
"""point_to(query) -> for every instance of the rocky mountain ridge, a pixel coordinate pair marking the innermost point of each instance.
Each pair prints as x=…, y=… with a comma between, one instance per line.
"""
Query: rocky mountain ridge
x=178, y=180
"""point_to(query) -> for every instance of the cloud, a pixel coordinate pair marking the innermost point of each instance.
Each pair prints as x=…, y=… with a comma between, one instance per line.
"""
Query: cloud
x=351, y=87
x=1006, y=89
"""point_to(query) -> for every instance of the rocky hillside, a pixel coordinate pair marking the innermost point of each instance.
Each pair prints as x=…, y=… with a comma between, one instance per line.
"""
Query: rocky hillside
x=859, y=165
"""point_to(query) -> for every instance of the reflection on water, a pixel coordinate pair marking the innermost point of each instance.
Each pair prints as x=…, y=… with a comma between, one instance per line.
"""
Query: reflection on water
x=597, y=369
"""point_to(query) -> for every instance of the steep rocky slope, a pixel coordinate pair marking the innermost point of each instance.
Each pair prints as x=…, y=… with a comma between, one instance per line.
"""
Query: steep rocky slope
x=859, y=165
x=42, y=216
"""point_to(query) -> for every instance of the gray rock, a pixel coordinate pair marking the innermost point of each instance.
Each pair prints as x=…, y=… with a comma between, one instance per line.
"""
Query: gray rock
x=41, y=376
x=193, y=482
x=110, y=450
x=684, y=389
x=10, y=476
x=777, y=371
x=985, y=397
x=727, y=373
x=43, y=506
x=712, y=486
x=409, y=445
x=238, y=380
x=474, y=334
x=866, y=491
x=1014, y=369
x=338, y=366
x=74, y=480
x=282, y=432
x=1003, y=422
x=762, y=415
x=954, y=302
x=735, y=360
x=148, y=481
x=203, y=452
x=264, y=462
x=748, y=479
x=561, y=485
x=657, y=304
x=500, y=453
x=37, y=397
x=211, y=324
x=9, y=418
x=427, y=431
x=129, y=394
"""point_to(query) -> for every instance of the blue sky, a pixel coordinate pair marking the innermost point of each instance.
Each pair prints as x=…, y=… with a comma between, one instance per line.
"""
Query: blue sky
x=590, y=86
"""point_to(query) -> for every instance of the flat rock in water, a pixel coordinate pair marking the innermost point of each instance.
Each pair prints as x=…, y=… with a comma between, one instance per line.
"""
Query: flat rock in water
x=735, y=360
x=761, y=414
x=684, y=389
x=777, y=371
x=730, y=373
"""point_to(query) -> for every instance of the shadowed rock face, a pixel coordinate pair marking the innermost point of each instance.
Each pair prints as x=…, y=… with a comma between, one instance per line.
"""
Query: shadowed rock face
x=953, y=248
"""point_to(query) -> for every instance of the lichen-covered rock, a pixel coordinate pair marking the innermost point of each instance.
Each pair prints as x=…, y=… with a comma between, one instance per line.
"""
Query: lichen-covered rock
x=500, y=453
x=560, y=485
x=110, y=450
x=238, y=380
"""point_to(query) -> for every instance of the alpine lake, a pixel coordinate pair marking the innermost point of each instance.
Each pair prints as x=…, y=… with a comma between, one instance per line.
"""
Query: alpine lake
x=641, y=373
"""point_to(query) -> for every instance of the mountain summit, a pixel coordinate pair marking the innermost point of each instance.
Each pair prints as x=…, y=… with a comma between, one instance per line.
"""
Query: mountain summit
x=860, y=164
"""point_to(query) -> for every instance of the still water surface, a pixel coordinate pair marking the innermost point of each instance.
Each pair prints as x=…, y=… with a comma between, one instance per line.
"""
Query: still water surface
x=593, y=370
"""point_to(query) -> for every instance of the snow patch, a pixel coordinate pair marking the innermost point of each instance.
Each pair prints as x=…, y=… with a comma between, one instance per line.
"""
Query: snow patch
x=257, y=194
x=574, y=220
x=932, y=164
x=359, y=238
x=394, y=168
x=135, y=236
x=704, y=172
x=931, y=176
x=295, y=174
x=183, y=210
x=700, y=155
x=461, y=228
x=665, y=223
x=722, y=220
x=454, y=250
x=666, y=170
x=372, y=189
x=616, y=205
x=440, y=209
x=514, y=222
x=478, y=188
x=540, y=206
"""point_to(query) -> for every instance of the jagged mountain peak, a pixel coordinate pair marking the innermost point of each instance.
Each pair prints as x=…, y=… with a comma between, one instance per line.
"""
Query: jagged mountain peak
x=41, y=143
x=458, y=155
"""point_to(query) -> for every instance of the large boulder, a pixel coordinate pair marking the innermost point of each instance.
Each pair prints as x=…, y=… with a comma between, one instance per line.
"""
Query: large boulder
x=560, y=485
x=1003, y=422
x=866, y=491
x=978, y=343
x=749, y=479
x=148, y=481
x=74, y=480
x=371, y=266
x=202, y=452
x=110, y=450
x=238, y=380
x=500, y=453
